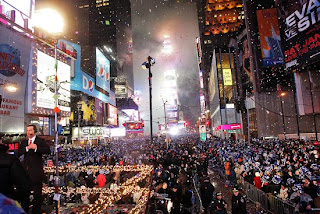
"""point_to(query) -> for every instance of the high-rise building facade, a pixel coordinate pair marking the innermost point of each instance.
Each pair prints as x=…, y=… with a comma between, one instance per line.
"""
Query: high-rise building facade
x=275, y=68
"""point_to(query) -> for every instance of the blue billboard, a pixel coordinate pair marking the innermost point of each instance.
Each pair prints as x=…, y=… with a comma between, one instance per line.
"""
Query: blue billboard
x=102, y=71
x=84, y=82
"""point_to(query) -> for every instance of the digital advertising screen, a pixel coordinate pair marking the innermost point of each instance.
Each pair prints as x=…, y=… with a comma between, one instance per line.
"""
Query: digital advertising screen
x=102, y=71
x=112, y=115
x=46, y=83
x=299, y=21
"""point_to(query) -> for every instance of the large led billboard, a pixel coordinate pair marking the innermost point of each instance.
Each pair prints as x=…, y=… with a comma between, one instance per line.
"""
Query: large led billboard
x=132, y=114
x=46, y=82
x=102, y=71
x=300, y=31
x=270, y=37
x=112, y=115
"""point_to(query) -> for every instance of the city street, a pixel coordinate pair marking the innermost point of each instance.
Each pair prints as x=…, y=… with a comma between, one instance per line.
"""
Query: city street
x=159, y=106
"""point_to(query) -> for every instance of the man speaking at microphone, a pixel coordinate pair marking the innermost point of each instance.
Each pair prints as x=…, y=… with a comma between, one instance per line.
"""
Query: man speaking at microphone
x=32, y=149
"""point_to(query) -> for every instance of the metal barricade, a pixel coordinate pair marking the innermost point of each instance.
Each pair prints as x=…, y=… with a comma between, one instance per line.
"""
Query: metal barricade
x=277, y=205
x=255, y=195
x=197, y=208
x=268, y=202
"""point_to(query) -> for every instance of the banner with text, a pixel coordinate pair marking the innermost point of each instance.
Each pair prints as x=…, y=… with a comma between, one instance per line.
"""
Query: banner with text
x=14, y=65
x=300, y=24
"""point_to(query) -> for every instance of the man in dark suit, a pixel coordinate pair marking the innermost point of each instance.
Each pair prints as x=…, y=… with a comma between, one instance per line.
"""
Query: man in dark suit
x=32, y=149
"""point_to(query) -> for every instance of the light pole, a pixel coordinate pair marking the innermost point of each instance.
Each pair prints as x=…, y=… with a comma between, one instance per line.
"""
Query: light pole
x=52, y=22
x=282, y=112
x=79, y=105
x=165, y=121
x=150, y=62
x=248, y=117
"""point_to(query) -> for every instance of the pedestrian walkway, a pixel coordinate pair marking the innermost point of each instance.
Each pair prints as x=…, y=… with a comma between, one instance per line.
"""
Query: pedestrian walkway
x=226, y=191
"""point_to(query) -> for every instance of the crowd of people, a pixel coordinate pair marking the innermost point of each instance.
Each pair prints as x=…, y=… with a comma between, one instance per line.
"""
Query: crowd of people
x=180, y=182
x=288, y=169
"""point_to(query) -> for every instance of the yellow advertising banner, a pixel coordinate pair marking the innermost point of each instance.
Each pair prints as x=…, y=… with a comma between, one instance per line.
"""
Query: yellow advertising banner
x=227, y=77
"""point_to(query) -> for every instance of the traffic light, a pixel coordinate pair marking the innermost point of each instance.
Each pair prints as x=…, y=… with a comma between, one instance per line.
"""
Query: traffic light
x=207, y=123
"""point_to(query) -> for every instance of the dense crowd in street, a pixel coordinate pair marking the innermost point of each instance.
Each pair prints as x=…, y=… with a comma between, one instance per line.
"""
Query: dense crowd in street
x=288, y=169
x=180, y=182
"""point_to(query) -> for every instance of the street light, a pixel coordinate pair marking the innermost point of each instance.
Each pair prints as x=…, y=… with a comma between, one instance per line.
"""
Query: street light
x=282, y=94
x=165, y=121
x=52, y=22
x=150, y=62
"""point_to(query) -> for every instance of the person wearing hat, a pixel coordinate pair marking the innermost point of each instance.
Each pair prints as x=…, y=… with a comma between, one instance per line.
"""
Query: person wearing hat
x=218, y=205
x=238, y=203
x=206, y=193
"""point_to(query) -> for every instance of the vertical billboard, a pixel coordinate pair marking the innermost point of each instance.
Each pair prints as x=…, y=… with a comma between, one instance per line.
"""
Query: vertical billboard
x=270, y=40
x=300, y=31
x=88, y=109
x=227, y=77
x=14, y=65
x=99, y=112
x=244, y=68
x=112, y=115
x=81, y=80
x=102, y=71
x=46, y=83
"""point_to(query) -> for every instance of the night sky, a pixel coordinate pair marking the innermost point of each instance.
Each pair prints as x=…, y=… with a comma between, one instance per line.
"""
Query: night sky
x=151, y=20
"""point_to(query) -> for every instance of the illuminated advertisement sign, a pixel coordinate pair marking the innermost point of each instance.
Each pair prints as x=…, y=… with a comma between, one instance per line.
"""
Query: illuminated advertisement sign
x=112, y=115
x=84, y=82
x=229, y=127
x=270, y=40
x=91, y=132
x=118, y=132
x=300, y=31
x=132, y=114
x=99, y=108
x=46, y=83
x=227, y=77
x=67, y=48
x=18, y=11
x=102, y=71
x=14, y=65
x=172, y=114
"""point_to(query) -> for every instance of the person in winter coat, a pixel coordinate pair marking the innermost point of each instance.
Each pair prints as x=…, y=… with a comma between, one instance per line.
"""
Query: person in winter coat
x=218, y=205
x=206, y=193
x=257, y=180
x=101, y=179
x=283, y=193
x=14, y=180
x=238, y=203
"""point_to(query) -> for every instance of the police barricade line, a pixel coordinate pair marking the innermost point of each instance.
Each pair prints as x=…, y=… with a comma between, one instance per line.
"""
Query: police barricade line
x=277, y=205
x=198, y=208
x=256, y=195
x=268, y=202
